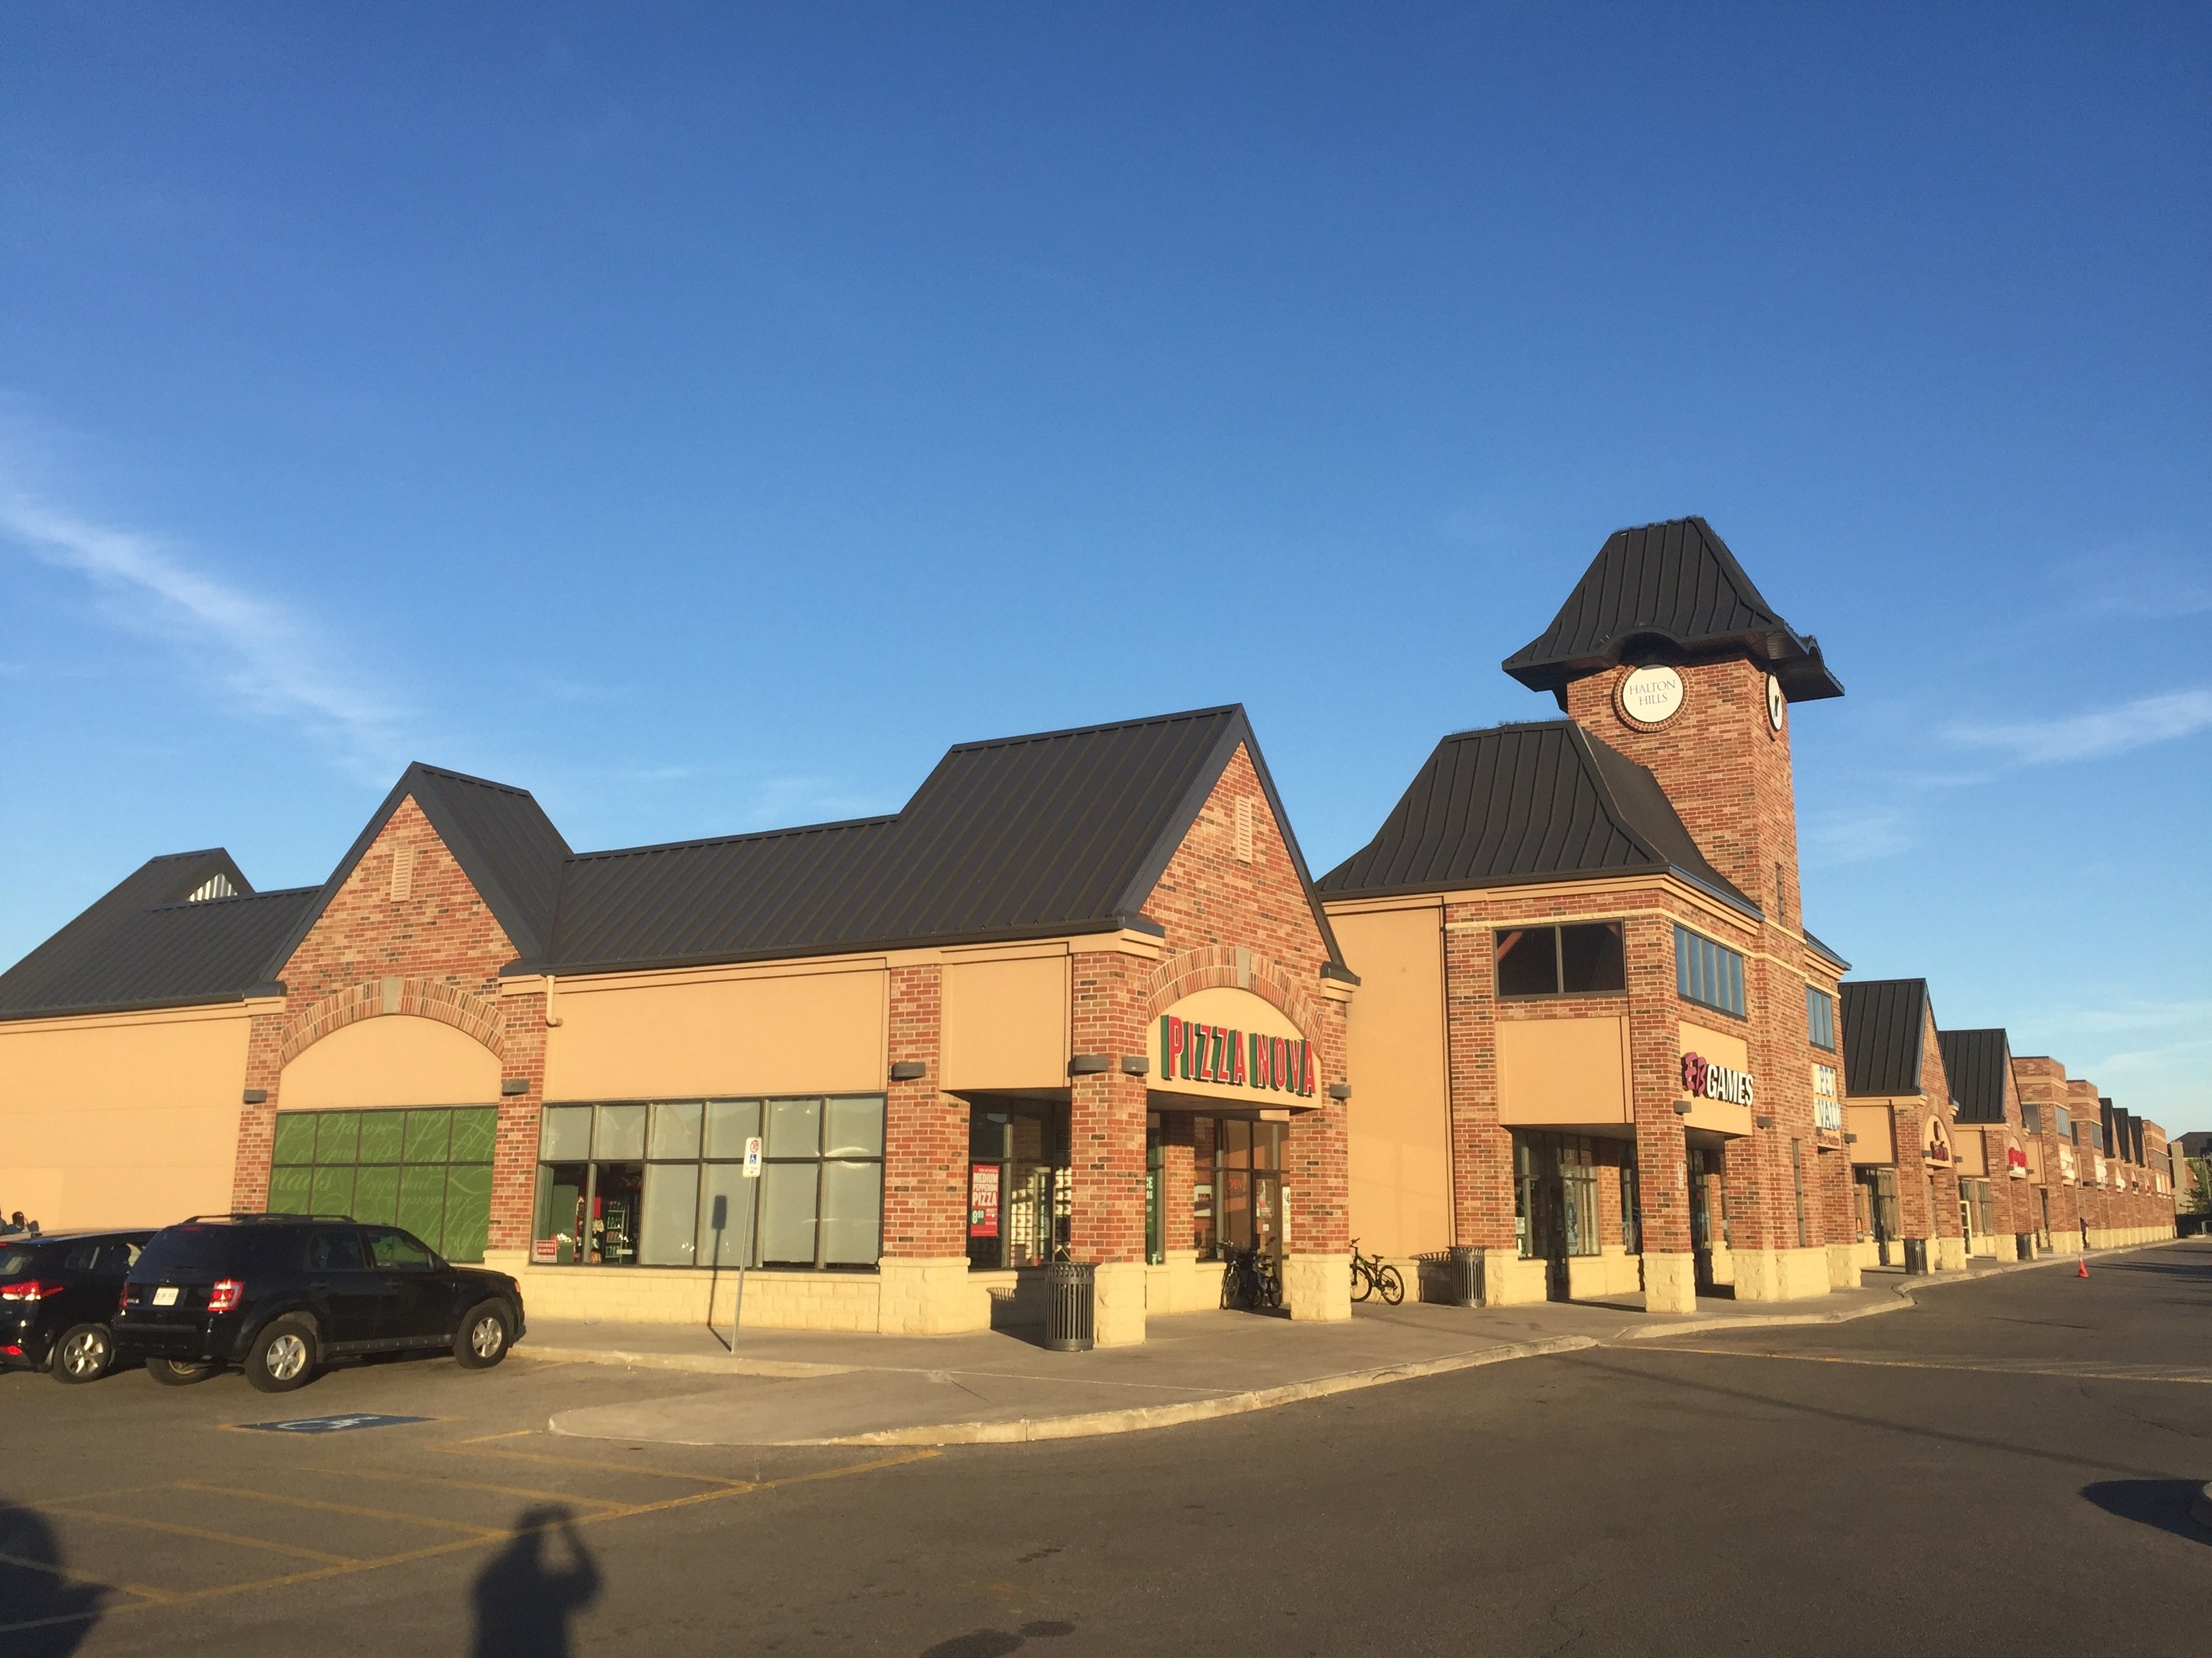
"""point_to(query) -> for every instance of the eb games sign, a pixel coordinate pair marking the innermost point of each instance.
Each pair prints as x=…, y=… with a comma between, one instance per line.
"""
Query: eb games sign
x=1704, y=1079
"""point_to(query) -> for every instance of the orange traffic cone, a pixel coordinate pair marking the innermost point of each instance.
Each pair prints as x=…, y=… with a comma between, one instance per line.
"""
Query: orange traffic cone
x=2083, y=1270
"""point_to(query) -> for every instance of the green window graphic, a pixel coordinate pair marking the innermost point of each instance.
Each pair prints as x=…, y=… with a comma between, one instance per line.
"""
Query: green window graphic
x=428, y=1171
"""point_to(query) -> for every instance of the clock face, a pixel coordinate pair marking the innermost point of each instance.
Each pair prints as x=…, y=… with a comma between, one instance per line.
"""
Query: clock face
x=1776, y=702
x=1651, y=696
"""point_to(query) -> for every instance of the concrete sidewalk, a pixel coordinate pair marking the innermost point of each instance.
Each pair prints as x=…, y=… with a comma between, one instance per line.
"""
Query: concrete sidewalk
x=809, y=1387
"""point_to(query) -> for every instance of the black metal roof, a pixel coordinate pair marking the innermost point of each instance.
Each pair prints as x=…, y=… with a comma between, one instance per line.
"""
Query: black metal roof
x=1884, y=1022
x=142, y=944
x=1540, y=801
x=499, y=836
x=1977, y=1064
x=1060, y=832
x=1675, y=589
x=1828, y=952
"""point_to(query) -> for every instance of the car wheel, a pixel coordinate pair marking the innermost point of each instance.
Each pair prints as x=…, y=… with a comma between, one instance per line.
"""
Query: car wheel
x=83, y=1353
x=180, y=1372
x=282, y=1356
x=481, y=1342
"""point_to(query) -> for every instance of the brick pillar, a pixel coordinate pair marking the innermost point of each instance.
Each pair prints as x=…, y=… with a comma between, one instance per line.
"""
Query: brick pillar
x=1482, y=1151
x=1106, y=1141
x=514, y=1157
x=925, y=1133
x=1317, y=1273
x=256, y=1124
x=1177, y=1176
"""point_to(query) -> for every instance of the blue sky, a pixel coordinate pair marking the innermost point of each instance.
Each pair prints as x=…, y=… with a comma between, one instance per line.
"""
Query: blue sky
x=704, y=415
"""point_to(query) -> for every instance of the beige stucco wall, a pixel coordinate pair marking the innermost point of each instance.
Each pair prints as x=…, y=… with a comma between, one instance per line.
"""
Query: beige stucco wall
x=395, y=1059
x=1877, y=1134
x=1399, y=1151
x=1564, y=1072
x=788, y=1031
x=1005, y=1023
x=126, y=1119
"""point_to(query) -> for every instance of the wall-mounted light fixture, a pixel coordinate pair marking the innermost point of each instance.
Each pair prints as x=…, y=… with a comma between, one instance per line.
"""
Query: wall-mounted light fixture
x=907, y=1071
x=256, y=1096
x=1136, y=1065
x=1682, y=1107
x=1762, y=1122
x=1851, y=1139
x=513, y=1085
x=1090, y=1064
x=1339, y=1090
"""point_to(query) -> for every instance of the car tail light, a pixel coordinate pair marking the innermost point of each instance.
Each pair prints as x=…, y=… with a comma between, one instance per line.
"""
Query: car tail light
x=225, y=1295
x=123, y=1298
x=29, y=1290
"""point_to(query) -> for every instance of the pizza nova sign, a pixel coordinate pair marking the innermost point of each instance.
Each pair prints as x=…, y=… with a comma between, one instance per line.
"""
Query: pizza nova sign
x=1230, y=1042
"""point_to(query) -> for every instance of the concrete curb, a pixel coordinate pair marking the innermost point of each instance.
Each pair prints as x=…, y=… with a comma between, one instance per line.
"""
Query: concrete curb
x=1028, y=1430
x=2200, y=1507
x=704, y=1363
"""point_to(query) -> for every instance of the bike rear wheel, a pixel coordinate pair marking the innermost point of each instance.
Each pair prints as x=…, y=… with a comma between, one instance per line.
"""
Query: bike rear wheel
x=1392, y=1285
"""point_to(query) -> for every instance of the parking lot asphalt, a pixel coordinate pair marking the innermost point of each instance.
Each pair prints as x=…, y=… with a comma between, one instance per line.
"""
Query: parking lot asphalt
x=2004, y=1468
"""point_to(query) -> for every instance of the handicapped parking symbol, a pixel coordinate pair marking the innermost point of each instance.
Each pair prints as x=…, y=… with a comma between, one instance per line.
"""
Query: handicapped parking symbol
x=330, y=1424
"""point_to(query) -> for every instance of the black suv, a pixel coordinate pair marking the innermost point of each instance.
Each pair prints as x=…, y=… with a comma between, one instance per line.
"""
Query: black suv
x=57, y=1298
x=279, y=1294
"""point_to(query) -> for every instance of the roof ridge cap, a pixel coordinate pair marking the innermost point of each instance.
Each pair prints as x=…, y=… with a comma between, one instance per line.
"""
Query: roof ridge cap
x=731, y=839
x=1099, y=726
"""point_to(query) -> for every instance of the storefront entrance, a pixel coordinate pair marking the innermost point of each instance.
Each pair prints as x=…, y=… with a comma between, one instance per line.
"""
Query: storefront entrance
x=1020, y=1205
x=1708, y=1215
x=1555, y=1203
x=1877, y=1194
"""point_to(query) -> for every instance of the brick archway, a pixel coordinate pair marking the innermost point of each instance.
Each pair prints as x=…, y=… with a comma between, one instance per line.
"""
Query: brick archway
x=474, y=1017
x=1232, y=967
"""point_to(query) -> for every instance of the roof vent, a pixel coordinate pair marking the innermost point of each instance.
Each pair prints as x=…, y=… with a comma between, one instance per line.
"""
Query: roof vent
x=215, y=886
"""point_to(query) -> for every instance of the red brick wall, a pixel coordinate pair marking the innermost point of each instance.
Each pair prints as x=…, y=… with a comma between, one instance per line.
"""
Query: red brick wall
x=1212, y=902
x=2040, y=1082
x=445, y=948
x=925, y=1133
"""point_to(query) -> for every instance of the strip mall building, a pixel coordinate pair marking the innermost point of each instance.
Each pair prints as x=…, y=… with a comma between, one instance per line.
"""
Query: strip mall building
x=1081, y=999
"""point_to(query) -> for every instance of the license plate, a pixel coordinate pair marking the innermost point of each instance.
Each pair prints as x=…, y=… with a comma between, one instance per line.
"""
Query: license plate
x=166, y=1295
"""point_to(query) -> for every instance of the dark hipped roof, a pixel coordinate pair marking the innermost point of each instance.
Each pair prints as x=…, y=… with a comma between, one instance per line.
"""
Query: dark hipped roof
x=1027, y=837
x=142, y=945
x=499, y=836
x=1533, y=802
x=1884, y=1020
x=1674, y=583
x=1976, y=1064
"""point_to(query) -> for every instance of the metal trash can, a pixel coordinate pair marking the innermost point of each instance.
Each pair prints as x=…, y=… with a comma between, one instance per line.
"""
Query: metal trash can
x=1916, y=1255
x=1464, y=1275
x=1071, y=1289
x=2024, y=1245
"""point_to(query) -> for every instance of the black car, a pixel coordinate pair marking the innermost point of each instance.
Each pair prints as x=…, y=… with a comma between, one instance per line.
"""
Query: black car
x=57, y=1297
x=279, y=1295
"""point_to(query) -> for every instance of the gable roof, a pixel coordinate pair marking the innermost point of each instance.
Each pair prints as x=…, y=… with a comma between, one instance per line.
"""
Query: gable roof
x=1676, y=582
x=499, y=836
x=1056, y=833
x=142, y=944
x=1976, y=1064
x=1885, y=1021
x=1528, y=802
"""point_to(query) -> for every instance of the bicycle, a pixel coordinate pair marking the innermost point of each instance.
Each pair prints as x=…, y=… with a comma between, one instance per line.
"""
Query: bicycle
x=1370, y=1275
x=1248, y=1280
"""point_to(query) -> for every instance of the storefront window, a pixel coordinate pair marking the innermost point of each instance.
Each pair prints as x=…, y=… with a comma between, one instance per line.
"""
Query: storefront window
x=1820, y=1018
x=1708, y=974
x=1555, y=1195
x=666, y=1183
x=1020, y=1205
x=1582, y=960
x=1631, y=1206
x=427, y=1170
x=1237, y=1186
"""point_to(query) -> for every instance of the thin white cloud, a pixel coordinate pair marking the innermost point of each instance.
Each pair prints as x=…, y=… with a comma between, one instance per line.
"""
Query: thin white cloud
x=259, y=651
x=1855, y=836
x=2092, y=735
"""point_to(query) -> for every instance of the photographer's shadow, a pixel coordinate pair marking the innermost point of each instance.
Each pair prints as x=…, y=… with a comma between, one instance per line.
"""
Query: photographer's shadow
x=523, y=1599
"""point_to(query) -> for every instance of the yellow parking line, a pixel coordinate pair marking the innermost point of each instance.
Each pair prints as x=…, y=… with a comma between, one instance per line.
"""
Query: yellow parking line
x=60, y=1513
x=341, y=1508
x=345, y=1568
x=1925, y=1364
x=86, y=1578
x=474, y=1448
x=465, y=1485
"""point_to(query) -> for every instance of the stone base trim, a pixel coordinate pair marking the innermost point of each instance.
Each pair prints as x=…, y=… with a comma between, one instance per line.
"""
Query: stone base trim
x=1670, y=1283
x=1947, y=1254
x=1843, y=1266
x=1781, y=1274
x=1117, y=1311
x=1318, y=1287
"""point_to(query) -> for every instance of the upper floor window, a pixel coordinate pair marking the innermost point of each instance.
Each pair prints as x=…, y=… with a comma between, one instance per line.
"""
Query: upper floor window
x=1820, y=1018
x=1584, y=959
x=1706, y=973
